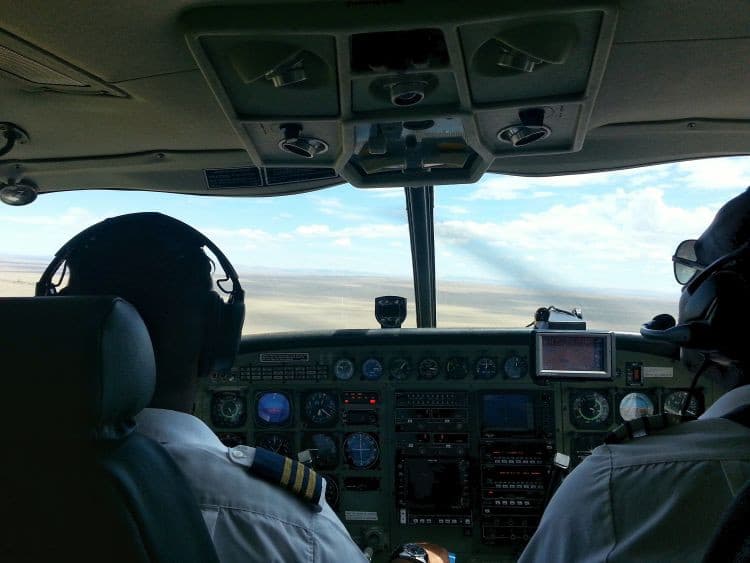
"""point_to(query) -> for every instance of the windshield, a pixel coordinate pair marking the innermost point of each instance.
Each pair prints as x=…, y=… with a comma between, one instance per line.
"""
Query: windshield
x=504, y=246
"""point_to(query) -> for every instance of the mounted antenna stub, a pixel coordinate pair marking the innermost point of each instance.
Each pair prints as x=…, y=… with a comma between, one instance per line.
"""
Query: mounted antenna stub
x=294, y=143
x=18, y=193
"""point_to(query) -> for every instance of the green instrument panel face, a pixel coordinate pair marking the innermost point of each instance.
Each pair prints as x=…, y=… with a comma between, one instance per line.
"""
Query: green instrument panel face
x=436, y=436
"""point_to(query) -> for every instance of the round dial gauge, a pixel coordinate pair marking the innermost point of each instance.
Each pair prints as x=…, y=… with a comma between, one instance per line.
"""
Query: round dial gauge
x=276, y=443
x=485, y=368
x=325, y=452
x=273, y=408
x=515, y=367
x=636, y=405
x=343, y=369
x=428, y=369
x=399, y=368
x=228, y=409
x=590, y=408
x=456, y=368
x=361, y=450
x=332, y=491
x=321, y=408
x=673, y=403
x=372, y=369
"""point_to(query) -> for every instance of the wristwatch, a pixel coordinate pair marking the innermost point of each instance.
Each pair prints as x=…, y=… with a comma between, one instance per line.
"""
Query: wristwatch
x=411, y=552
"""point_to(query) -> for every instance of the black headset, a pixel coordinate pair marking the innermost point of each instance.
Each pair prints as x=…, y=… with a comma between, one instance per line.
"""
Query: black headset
x=714, y=306
x=224, y=318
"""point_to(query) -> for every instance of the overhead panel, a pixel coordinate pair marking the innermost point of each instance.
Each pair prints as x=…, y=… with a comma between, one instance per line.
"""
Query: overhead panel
x=387, y=103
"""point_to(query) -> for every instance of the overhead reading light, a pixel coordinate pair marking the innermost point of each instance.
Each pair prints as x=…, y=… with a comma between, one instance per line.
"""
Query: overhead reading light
x=526, y=48
x=294, y=143
x=282, y=64
x=18, y=193
x=288, y=72
x=530, y=130
x=516, y=60
x=523, y=48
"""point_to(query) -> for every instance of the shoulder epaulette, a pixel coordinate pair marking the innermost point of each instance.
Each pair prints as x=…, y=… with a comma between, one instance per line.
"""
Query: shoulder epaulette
x=282, y=471
x=644, y=426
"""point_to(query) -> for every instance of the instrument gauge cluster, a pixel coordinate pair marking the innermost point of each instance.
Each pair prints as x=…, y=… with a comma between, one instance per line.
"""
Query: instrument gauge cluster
x=435, y=434
x=590, y=409
x=372, y=369
x=515, y=367
x=636, y=405
x=428, y=368
x=228, y=409
x=277, y=443
x=674, y=401
x=361, y=450
x=485, y=368
x=321, y=408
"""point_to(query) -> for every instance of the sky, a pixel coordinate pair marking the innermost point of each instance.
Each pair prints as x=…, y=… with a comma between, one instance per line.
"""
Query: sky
x=600, y=232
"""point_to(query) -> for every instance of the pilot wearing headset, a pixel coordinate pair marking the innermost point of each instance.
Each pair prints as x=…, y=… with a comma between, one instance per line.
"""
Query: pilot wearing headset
x=657, y=489
x=258, y=506
x=158, y=264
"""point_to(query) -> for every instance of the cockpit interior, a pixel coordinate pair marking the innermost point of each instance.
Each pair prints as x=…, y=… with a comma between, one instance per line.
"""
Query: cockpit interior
x=442, y=432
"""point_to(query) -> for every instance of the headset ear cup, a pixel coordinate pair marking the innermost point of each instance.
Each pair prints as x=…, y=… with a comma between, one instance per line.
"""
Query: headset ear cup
x=224, y=323
x=213, y=333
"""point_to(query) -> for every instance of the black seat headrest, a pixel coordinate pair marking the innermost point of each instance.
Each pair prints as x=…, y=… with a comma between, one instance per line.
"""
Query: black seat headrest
x=73, y=368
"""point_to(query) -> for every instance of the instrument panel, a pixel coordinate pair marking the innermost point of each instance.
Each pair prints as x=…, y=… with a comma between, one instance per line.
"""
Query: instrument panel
x=436, y=435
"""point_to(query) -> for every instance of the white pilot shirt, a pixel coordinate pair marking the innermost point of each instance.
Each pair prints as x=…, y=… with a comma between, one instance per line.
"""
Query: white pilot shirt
x=249, y=520
x=656, y=498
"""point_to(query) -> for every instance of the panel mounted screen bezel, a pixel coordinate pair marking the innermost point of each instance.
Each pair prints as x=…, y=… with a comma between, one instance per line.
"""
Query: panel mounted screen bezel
x=600, y=375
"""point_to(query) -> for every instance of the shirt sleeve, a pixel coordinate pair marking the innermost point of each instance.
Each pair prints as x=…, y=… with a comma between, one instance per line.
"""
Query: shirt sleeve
x=578, y=523
x=332, y=540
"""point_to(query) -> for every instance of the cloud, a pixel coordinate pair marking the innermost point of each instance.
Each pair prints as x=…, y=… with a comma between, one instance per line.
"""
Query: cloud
x=633, y=232
x=313, y=230
x=247, y=234
x=329, y=205
x=712, y=173
x=343, y=242
x=387, y=193
x=453, y=209
x=73, y=216
x=373, y=231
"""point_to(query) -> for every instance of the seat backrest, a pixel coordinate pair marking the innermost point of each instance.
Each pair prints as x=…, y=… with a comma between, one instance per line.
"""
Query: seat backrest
x=78, y=484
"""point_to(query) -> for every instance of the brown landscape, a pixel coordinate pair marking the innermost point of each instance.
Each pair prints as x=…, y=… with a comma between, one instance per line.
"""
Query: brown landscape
x=287, y=301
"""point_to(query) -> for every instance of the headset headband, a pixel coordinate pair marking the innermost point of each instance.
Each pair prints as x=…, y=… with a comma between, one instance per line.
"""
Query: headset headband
x=45, y=286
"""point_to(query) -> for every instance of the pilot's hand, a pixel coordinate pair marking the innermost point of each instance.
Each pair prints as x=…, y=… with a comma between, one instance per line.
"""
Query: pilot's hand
x=435, y=553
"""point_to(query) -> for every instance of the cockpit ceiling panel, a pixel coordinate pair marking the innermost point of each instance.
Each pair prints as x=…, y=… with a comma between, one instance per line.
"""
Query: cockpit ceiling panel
x=111, y=94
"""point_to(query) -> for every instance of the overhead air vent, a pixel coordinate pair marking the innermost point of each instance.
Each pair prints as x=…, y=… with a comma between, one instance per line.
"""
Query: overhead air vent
x=245, y=177
x=38, y=71
x=276, y=176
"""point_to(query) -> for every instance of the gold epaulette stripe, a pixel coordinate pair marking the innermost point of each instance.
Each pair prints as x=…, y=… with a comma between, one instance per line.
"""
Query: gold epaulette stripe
x=299, y=477
x=312, y=479
x=287, y=472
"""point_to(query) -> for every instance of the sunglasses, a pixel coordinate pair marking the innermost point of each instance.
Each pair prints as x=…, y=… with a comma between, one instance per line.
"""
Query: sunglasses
x=685, y=262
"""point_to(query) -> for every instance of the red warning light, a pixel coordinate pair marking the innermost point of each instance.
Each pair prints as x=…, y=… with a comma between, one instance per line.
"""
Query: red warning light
x=373, y=401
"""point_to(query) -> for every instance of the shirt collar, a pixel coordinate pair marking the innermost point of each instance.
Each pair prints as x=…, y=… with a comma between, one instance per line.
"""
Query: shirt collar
x=173, y=427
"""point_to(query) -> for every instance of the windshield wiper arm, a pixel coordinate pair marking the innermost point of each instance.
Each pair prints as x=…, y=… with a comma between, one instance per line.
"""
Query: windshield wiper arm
x=420, y=204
